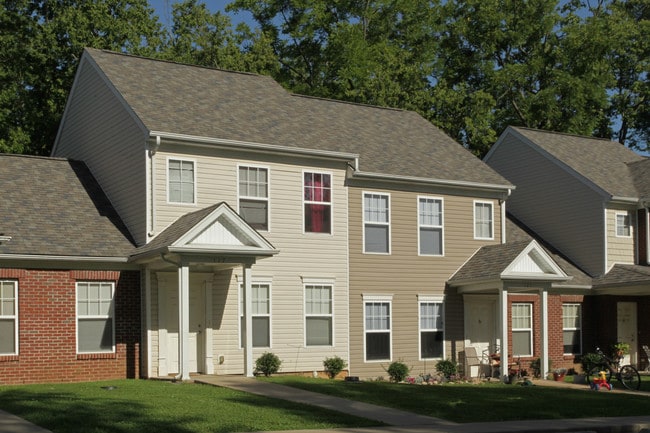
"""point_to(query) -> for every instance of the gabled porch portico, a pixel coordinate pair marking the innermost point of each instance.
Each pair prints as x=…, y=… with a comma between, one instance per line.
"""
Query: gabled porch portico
x=202, y=243
x=501, y=271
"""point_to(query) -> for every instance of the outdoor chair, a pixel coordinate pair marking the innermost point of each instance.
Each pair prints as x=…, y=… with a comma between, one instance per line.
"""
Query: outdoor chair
x=473, y=360
x=647, y=355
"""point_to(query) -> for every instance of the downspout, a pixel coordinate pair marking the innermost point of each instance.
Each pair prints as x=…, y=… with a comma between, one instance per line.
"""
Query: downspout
x=152, y=185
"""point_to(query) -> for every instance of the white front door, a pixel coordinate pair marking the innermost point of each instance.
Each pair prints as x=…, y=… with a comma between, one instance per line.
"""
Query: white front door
x=197, y=325
x=626, y=329
x=480, y=325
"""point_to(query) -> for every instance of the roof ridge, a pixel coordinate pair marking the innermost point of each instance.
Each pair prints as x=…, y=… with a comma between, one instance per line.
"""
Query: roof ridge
x=49, y=158
x=569, y=134
x=338, y=101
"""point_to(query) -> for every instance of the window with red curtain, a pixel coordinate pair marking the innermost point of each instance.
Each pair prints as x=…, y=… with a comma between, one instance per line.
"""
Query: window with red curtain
x=317, y=202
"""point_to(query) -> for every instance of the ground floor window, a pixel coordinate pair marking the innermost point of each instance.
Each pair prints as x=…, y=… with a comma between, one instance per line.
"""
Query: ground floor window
x=522, y=329
x=8, y=317
x=572, y=328
x=431, y=328
x=318, y=314
x=260, y=313
x=377, y=328
x=95, y=324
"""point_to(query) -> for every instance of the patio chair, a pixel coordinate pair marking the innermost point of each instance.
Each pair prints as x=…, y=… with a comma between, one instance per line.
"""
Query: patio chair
x=647, y=355
x=473, y=360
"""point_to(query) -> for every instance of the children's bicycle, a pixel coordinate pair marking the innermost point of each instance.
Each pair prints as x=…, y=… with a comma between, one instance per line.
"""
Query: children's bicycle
x=627, y=374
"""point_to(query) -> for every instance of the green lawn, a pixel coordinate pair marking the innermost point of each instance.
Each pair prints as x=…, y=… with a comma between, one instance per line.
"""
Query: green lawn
x=136, y=406
x=481, y=402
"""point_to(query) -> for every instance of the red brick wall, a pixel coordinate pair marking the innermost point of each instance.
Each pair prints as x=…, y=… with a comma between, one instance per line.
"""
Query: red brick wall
x=47, y=328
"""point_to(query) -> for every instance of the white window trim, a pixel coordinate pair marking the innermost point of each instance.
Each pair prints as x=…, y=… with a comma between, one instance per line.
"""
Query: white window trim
x=530, y=330
x=195, y=165
x=13, y=317
x=316, y=282
x=441, y=227
x=378, y=299
x=268, y=192
x=431, y=299
x=388, y=224
x=476, y=236
x=259, y=281
x=629, y=225
x=579, y=329
x=111, y=315
x=330, y=203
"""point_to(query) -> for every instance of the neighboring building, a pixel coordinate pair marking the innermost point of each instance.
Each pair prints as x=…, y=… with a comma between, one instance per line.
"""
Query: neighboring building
x=589, y=199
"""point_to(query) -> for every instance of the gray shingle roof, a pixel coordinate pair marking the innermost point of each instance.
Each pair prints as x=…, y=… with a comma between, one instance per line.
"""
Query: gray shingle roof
x=641, y=175
x=604, y=162
x=197, y=101
x=624, y=275
x=54, y=206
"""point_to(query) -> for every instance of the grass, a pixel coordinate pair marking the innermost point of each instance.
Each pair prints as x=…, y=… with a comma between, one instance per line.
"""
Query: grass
x=162, y=407
x=481, y=402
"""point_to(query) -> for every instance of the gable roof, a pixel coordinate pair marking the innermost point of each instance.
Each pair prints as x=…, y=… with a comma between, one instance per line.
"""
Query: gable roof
x=215, y=229
x=55, y=207
x=603, y=162
x=192, y=101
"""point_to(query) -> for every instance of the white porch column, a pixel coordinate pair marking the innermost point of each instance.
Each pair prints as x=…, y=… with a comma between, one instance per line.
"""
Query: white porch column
x=544, y=364
x=183, y=322
x=503, y=320
x=248, y=322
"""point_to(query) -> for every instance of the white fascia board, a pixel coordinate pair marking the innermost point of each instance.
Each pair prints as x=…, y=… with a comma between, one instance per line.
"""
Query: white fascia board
x=65, y=262
x=216, y=249
x=201, y=141
x=501, y=189
x=556, y=271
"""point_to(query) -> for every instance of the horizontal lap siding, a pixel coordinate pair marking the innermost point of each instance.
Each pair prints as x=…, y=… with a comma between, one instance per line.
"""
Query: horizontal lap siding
x=301, y=255
x=98, y=130
x=405, y=275
x=620, y=249
x=555, y=204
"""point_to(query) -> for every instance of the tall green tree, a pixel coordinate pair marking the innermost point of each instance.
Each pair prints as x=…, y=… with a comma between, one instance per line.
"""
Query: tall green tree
x=40, y=46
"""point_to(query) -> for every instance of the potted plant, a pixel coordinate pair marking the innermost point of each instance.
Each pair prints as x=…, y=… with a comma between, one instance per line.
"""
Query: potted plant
x=558, y=374
x=620, y=349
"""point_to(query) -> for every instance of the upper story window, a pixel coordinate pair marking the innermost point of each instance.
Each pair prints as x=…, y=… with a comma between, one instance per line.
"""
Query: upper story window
x=8, y=317
x=318, y=315
x=376, y=223
x=317, y=196
x=430, y=224
x=95, y=327
x=181, y=174
x=254, y=196
x=623, y=228
x=572, y=329
x=483, y=220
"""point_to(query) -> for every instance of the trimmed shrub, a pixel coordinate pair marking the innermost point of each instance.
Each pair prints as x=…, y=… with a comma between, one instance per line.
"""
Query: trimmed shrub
x=334, y=365
x=446, y=367
x=267, y=364
x=397, y=371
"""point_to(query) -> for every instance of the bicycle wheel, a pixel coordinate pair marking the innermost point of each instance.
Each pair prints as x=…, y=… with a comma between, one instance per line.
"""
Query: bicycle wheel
x=629, y=377
x=595, y=373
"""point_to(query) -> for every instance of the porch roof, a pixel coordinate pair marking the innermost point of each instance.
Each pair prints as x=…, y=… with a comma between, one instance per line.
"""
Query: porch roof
x=624, y=280
x=216, y=230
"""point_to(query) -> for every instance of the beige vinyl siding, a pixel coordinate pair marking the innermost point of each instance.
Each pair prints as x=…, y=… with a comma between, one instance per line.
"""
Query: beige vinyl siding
x=557, y=206
x=302, y=255
x=98, y=130
x=620, y=249
x=404, y=274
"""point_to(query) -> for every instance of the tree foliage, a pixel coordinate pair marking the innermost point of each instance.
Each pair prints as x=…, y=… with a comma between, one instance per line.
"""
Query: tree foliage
x=472, y=67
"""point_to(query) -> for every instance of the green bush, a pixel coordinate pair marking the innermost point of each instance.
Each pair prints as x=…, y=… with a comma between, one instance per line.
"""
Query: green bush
x=397, y=371
x=589, y=361
x=446, y=367
x=268, y=364
x=334, y=365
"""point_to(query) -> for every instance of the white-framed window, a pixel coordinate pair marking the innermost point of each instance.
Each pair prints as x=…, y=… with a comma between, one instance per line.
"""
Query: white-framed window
x=318, y=314
x=572, y=328
x=522, y=329
x=483, y=220
x=623, y=228
x=376, y=223
x=260, y=314
x=181, y=175
x=432, y=338
x=254, y=196
x=317, y=202
x=377, y=328
x=8, y=317
x=95, y=311
x=430, y=226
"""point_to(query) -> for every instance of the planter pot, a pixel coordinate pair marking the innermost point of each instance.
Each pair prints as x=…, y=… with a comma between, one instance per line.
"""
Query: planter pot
x=579, y=378
x=558, y=377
